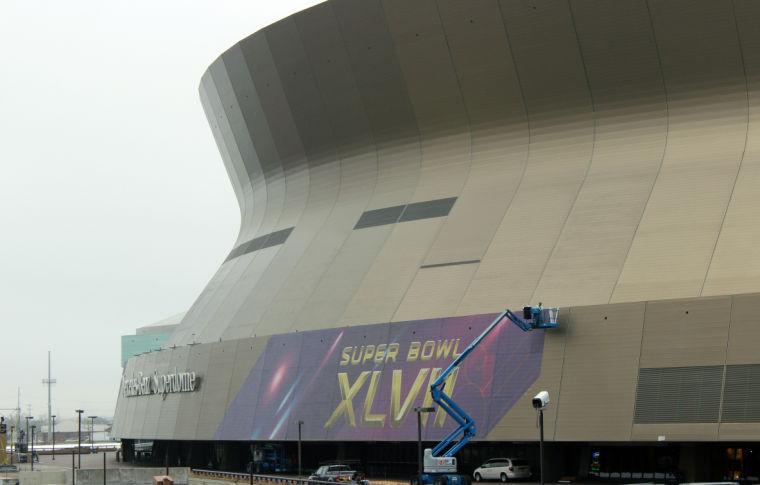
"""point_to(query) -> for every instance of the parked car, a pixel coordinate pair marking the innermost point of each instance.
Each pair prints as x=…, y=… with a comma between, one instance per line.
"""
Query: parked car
x=24, y=457
x=334, y=473
x=502, y=469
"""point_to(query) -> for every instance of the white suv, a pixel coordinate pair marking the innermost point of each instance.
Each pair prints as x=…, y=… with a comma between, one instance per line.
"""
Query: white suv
x=502, y=469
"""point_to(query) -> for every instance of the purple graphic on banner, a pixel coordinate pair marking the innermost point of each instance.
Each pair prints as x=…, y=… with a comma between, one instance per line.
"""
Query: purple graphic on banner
x=362, y=383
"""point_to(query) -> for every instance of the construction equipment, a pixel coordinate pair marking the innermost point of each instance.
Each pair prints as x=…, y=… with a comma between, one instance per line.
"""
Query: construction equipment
x=3, y=454
x=440, y=465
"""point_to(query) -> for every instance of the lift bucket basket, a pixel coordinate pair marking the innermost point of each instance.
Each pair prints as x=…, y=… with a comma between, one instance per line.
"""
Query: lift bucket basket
x=550, y=315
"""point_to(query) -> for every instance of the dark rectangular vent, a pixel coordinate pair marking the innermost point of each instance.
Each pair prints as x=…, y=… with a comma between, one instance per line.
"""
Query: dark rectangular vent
x=379, y=217
x=404, y=213
x=451, y=263
x=261, y=242
x=678, y=394
x=427, y=210
x=741, y=394
x=276, y=238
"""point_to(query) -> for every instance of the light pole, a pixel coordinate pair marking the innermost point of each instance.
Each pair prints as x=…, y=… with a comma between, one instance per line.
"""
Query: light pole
x=300, y=423
x=250, y=471
x=12, y=429
x=26, y=436
x=419, y=412
x=79, y=437
x=32, y=453
x=540, y=402
x=541, y=444
x=53, y=418
x=92, y=431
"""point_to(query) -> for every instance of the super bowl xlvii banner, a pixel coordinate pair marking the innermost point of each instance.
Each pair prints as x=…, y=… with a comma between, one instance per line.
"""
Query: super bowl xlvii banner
x=363, y=382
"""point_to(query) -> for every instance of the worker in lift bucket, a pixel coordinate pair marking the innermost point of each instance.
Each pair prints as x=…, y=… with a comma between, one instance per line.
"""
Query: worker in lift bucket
x=536, y=313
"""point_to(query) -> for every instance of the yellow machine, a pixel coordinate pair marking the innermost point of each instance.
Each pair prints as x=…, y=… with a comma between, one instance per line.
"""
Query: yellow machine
x=3, y=442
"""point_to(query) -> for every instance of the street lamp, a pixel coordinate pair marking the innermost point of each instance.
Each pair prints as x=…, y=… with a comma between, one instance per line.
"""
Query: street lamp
x=53, y=418
x=419, y=412
x=79, y=437
x=300, y=423
x=32, y=453
x=13, y=428
x=540, y=402
x=92, y=431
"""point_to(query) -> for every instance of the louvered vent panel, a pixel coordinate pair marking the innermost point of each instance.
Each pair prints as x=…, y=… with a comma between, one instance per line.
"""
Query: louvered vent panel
x=741, y=395
x=678, y=395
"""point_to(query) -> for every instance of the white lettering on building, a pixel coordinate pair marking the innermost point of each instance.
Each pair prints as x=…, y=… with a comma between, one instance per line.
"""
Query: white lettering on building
x=143, y=385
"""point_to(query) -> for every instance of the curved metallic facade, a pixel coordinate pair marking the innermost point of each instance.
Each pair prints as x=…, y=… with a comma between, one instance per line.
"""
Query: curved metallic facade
x=402, y=162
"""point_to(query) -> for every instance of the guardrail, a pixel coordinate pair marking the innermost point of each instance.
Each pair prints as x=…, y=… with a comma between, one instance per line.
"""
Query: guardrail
x=252, y=477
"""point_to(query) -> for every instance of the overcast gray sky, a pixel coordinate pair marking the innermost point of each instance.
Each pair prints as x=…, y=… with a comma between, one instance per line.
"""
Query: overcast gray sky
x=115, y=208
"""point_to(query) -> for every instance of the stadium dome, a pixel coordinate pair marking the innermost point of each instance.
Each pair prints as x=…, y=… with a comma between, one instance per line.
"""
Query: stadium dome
x=407, y=169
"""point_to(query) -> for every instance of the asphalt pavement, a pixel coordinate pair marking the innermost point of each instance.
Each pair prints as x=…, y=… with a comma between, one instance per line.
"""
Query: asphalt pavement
x=63, y=462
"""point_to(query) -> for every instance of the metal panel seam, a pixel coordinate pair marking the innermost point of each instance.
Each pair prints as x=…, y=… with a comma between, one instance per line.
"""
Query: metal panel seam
x=662, y=158
x=527, y=151
x=591, y=156
x=744, y=150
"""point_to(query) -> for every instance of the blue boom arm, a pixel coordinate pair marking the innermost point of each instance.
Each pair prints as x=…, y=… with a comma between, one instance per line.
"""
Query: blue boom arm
x=466, y=430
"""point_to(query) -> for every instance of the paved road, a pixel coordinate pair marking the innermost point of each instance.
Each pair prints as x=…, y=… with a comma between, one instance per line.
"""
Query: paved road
x=63, y=462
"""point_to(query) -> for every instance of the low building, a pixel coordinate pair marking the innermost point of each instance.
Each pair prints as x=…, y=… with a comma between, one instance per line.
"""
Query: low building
x=149, y=338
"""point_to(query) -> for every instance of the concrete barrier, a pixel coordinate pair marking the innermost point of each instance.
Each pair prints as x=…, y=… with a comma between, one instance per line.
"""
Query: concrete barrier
x=44, y=477
x=129, y=476
x=194, y=480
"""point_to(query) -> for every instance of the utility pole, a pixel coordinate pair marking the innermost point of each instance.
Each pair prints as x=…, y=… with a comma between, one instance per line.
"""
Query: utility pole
x=31, y=457
x=49, y=383
x=18, y=407
x=17, y=410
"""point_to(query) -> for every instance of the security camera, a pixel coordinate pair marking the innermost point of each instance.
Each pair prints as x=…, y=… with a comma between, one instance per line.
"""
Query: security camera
x=541, y=400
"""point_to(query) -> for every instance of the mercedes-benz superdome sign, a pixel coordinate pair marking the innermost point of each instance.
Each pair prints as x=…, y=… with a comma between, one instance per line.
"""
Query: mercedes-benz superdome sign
x=143, y=385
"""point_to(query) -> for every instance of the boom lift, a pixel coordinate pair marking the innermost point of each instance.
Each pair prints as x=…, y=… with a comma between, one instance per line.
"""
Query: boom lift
x=440, y=465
